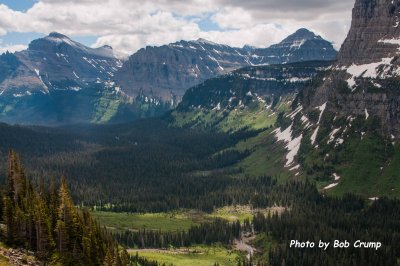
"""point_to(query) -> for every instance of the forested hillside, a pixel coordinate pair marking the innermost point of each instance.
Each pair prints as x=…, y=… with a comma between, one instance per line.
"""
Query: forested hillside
x=144, y=166
x=45, y=220
x=313, y=217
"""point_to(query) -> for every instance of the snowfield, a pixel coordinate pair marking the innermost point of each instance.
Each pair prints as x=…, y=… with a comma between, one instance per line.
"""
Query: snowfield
x=292, y=144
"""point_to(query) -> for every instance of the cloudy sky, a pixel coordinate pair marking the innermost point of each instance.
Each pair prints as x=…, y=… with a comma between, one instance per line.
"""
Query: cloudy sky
x=128, y=25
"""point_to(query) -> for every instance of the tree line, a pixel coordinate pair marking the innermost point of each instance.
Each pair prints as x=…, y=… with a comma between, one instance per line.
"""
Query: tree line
x=217, y=231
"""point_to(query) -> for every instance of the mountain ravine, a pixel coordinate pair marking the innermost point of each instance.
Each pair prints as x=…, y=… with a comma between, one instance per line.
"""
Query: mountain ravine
x=340, y=129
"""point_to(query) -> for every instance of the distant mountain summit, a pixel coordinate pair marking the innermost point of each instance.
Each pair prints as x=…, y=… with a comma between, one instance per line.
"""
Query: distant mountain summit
x=166, y=72
x=55, y=41
x=303, y=45
x=58, y=80
x=301, y=35
x=56, y=62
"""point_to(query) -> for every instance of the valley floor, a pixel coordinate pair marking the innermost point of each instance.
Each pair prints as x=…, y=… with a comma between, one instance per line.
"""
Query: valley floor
x=224, y=255
x=193, y=256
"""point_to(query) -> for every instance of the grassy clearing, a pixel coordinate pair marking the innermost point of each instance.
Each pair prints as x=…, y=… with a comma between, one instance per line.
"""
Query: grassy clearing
x=255, y=117
x=197, y=256
x=233, y=213
x=174, y=221
x=241, y=213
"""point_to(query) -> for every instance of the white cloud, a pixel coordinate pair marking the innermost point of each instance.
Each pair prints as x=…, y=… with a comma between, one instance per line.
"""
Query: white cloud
x=332, y=26
x=12, y=48
x=262, y=35
x=130, y=25
x=234, y=18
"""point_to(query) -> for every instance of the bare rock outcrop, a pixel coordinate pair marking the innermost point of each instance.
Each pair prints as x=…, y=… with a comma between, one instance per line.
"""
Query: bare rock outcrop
x=365, y=80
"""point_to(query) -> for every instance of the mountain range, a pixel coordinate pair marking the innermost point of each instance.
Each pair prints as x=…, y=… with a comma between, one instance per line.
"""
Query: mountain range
x=341, y=128
x=170, y=70
x=239, y=150
x=60, y=81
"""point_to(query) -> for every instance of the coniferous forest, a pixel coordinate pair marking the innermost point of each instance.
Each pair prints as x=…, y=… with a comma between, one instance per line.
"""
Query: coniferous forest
x=125, y=144
x=40, y=213
x=46, y=221
x=142, y=167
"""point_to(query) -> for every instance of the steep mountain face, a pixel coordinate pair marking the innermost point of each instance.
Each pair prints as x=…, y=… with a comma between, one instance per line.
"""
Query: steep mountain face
x=15, y=77
x=166, y=72
x=365, y=78
x=57, y=81
x=250, y=97
x=170, y=69
x=301, y=46
x=256, y=99
x=56, y=62
x=349, y=119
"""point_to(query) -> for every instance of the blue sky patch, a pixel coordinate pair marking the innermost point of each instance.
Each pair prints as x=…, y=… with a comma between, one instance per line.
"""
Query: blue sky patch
x=19, y=5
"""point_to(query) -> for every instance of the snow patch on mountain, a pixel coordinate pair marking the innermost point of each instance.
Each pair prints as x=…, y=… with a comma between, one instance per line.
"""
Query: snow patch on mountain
x=73, y=72
x=375, y=70
x=336, y=176
x=332, y=135
x=297, y=44
x=395, y=41
x=366, y=114
x=292, y=144
x=331, y=186
x=315, y=133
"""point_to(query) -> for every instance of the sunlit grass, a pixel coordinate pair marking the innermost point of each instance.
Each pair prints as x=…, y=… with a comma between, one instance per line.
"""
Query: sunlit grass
x=195, y=256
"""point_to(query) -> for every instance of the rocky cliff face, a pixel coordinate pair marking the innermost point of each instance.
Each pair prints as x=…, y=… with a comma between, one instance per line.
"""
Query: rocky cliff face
x=373, y=33
x=350, y=116
x=57, y=80
x=56, y=62
x=303, y=45
x=251, y=97
x=162, y=72
x=365, y=80
x=167, y=71
x=260, y=83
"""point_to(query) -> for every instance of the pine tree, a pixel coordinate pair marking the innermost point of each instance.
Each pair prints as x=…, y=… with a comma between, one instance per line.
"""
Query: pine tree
x=68, y=223
x=47, y=222
x=45, y=242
